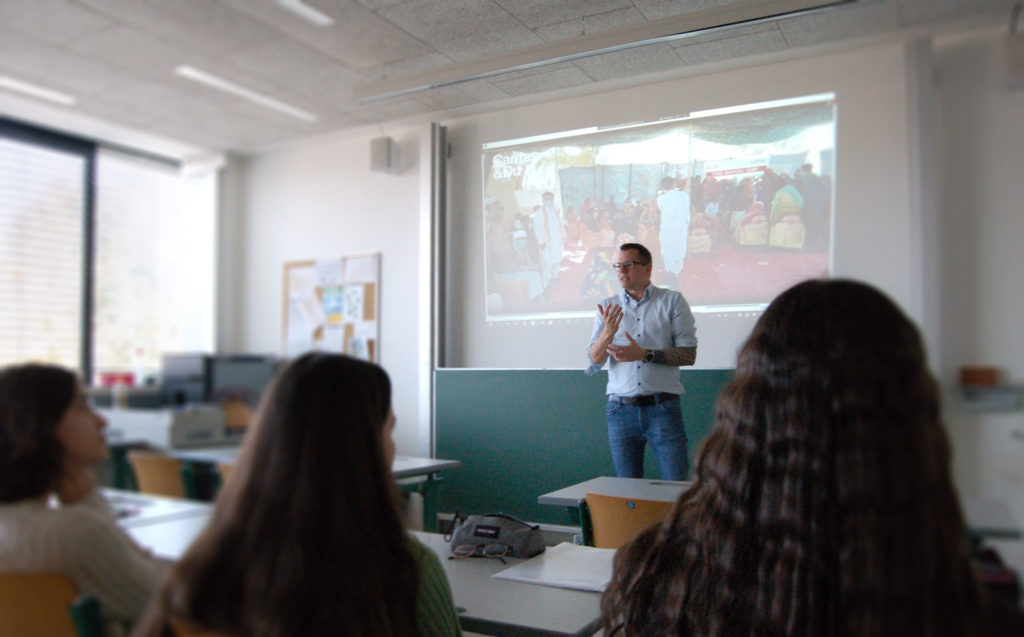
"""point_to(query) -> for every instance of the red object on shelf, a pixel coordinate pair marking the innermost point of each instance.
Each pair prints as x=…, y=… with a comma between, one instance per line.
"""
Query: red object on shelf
x=110, y=379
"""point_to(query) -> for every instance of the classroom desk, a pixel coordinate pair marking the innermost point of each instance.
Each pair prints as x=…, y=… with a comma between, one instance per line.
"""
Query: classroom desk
x=206, y=455
x=420, y=475
x=491, y=606
x=640, y=488
x=134, y=510
x=991, y=518
x=170, y=538
x=999, y=523
x=503, y=607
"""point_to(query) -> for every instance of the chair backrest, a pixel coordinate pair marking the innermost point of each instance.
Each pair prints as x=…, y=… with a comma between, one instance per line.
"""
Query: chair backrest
x=237, y=413
x=157, y=473
x=184, y=629
x=46, y=605
x=615, y=520
x=224, y=469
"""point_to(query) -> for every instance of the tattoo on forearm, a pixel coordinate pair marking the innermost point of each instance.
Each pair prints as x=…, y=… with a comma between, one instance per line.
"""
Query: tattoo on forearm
x=675, y=356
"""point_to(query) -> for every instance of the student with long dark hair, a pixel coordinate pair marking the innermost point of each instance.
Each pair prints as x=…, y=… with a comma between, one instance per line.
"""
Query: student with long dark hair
x=52, y=516
x=305, y=537
x=822, y=503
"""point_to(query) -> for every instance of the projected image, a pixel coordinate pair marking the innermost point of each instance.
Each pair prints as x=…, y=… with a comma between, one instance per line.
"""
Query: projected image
x=734, y=205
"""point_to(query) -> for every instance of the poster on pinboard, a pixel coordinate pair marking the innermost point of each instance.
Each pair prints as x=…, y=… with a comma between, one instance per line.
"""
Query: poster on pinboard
x=332, y=305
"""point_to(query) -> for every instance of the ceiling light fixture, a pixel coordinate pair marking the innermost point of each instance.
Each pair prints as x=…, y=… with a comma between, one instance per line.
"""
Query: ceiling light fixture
x=306, y=12
x=636, y=35
x=196, y=75
x=789, y=101
x=34, y=90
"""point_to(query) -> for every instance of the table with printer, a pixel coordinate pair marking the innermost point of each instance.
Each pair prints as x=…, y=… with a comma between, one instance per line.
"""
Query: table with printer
x=194, y=406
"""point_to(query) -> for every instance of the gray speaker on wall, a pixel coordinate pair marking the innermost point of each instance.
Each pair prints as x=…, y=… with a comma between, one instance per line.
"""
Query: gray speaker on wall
x=384, y=155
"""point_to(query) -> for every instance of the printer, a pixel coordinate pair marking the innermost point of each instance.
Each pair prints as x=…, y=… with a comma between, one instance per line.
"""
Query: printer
x=187, y=426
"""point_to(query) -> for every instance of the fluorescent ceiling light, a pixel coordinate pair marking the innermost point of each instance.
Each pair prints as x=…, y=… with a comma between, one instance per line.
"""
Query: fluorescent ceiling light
x=541, y=138
x=33, y=90
x=220, y=84
x=621, y=39
x=790, y=101
x=306, y=12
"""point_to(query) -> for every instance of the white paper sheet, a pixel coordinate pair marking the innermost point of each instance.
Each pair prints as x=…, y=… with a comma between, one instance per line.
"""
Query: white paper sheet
x=352, y=309
x=328, y=272
x=334, y=338
x=312, y=312
x=366, y=330
x=565, y=566
x=360, y=270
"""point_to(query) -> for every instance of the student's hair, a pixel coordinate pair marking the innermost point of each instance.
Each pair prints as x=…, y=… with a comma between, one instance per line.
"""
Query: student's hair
x=305, y=537
x=822, y=503
x=644, y=253
x=33, y=399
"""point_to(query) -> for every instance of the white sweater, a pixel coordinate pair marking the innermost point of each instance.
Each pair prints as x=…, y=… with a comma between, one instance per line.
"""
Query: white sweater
x=83, y=541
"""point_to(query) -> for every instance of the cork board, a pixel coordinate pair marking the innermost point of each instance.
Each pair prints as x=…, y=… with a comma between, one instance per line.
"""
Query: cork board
x=332, y=305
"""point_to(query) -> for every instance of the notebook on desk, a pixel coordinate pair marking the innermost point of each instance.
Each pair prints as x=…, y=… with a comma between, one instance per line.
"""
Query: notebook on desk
x=565, y=566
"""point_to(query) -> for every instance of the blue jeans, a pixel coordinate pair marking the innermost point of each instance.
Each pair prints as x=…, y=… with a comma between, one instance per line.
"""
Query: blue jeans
x=629, y=426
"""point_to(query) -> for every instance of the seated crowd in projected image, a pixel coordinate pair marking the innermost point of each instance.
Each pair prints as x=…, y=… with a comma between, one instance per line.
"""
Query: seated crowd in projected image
x=720, y=239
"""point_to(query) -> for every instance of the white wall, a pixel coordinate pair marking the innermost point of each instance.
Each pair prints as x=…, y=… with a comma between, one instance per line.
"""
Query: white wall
x=981, y=126
x=317, y=200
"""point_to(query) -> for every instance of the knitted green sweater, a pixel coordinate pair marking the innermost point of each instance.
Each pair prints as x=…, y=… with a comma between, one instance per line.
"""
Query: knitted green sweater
x=435, y=610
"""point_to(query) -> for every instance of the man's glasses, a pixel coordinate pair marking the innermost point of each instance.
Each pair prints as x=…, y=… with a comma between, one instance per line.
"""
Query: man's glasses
x=494, y=550
x=626, y=265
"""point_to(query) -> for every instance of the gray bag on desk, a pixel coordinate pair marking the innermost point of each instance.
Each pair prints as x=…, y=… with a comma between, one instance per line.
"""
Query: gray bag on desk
x=494, y=535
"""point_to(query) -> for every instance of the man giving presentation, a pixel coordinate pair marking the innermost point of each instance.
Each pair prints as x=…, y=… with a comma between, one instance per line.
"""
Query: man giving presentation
x=645, y=333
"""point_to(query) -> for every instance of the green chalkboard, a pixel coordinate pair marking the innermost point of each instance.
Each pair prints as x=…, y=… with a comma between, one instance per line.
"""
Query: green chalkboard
x=521, y=433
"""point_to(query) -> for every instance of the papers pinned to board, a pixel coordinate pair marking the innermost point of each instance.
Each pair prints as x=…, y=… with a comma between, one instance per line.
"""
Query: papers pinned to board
x=565, y=566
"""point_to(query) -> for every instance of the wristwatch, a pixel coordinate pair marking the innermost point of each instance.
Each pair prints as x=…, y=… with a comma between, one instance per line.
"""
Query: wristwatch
x=650, y=356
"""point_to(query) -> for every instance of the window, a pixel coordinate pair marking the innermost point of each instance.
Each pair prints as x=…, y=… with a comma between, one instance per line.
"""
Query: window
x=154, y=263
x=106, y=257
x=41, y=202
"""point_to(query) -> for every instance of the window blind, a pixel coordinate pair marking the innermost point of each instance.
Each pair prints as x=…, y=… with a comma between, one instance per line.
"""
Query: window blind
x=41, y=248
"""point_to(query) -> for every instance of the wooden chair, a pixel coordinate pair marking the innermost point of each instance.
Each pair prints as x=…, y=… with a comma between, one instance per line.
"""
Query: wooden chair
x=610, y=521
x=47, y=605
x=224, y=470
x=160, y=474
x=183, y=629
x=237, y=413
